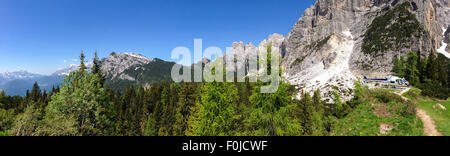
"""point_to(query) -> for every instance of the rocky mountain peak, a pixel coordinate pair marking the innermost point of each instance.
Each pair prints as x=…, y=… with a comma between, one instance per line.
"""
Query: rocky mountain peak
x=275, y=39
x=116, y=63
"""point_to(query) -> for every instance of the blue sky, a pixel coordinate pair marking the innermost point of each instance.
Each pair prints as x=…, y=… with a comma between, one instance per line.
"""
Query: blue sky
x=41, y=36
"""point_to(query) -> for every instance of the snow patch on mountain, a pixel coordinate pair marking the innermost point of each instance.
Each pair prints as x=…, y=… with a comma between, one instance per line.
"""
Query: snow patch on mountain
x=138, y=56
x=442, y=49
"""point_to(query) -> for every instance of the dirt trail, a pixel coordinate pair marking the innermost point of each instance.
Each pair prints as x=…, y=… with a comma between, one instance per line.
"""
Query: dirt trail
x=428, y=123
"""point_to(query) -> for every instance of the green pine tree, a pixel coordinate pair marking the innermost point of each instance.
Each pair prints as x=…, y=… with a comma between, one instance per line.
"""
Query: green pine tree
x=399, y=67
x=412, y=73
x=216, y=111
x=309, y=109
x=82, y=66
x=35, y=93
x=96, y=68
x=432, y=67
x=271, y=114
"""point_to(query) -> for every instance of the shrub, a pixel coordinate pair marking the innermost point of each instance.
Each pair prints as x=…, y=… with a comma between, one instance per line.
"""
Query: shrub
x=4, y=133
x=413, y=93
x=434, y=90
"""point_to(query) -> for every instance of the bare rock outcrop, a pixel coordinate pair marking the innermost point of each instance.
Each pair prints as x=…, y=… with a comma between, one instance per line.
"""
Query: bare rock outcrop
x=338, y=35
x=447, y=35
x=447, y=38
x=443, y=12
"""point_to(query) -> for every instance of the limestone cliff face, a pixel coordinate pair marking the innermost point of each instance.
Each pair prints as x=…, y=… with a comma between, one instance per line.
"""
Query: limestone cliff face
x=447, y=38
x=338, y=40
x=447, y=35
x=443, y=11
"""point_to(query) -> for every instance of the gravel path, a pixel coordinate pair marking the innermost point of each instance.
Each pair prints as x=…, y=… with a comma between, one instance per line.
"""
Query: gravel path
x=428, y=123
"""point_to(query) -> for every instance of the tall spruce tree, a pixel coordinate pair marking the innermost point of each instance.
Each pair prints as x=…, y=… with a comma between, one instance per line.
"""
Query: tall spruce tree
x=35, y=92
x=431, y=67
x=96, y=69
x=412, y=73
x=399, y=67
x=309, y=109
x=82, y=65
x=442, y=70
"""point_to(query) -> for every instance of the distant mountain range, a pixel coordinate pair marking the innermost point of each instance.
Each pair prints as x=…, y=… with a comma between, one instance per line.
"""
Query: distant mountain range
x=18, y=75
x=17, y=83
x=120, y=70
